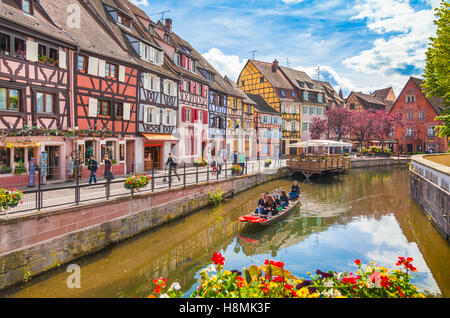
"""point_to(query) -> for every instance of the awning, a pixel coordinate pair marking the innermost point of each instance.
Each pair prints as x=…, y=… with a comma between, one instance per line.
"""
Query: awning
x=320, y=143
x=160, y=137
x=16, y=144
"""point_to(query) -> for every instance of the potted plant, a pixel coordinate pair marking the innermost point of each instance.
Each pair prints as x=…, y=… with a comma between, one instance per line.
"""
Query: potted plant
x=200, y=162
x=236, y=170
x=137, y=182
x=267, y=162
x=9, y=198
x=42, y=59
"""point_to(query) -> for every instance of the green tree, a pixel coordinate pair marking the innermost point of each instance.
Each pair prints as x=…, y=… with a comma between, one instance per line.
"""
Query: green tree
x=437, y=68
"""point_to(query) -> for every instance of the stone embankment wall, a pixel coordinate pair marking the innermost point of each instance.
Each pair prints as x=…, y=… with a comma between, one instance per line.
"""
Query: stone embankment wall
x=378, y=162
x=430, y=188
x=35, y=243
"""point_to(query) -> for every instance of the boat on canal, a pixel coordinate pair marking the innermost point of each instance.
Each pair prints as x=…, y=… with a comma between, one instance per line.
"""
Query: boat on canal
x=266, y=220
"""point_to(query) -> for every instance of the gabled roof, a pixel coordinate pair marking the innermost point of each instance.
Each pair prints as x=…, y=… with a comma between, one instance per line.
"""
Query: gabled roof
x=239, y=92
x=329, y=90
x=277, y=79
x=296, y=77
x=382, y=93
x=261, y=105
x=435, y=102
x=94, y=35
x=40, y=22
x=368, y=100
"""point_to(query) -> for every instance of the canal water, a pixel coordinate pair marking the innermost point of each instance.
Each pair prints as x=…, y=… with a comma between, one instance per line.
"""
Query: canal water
x=367, y=214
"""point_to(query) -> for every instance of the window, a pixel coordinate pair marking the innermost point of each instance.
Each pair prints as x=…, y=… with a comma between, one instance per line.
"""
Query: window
x=410, y=99
x=242, y=83
x=118, y=110
x=82, y=63
x=421, y=115
x=431, y=132
x=261, y=80
x=42, y=52
x=45, y=103
x=19, y=48
x=104, y=108
x=305, y=109
x=9, y=99
x=149, y=115
x=110, y=150
x=123, y=20
x=410, y=132
x=89, y=150
x=188, y=115
x=293, y=94
x=111, y=70
x=305, y=95
x=177, y=59
x=4, y=44
x=5, y=160
x=312, y=110
x=282, y=93
x=410, y=115
x=27, y=6
x=320, y=98
x=54, y=56
x=352, y=106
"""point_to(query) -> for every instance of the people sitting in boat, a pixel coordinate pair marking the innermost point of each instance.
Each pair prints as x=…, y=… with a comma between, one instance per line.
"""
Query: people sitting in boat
x=262, y=204
x=277, y=206
x=295, y=191
x=270, y=206
x=284, y=199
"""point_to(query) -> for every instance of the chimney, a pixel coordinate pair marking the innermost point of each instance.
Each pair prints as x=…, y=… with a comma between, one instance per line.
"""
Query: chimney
x=169, y=24
x=275, y=66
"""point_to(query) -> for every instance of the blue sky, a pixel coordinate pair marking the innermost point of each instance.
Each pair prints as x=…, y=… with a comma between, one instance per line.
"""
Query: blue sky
x=360, y=45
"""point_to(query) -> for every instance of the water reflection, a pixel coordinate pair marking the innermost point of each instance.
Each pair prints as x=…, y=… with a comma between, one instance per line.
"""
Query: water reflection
x=367, y=214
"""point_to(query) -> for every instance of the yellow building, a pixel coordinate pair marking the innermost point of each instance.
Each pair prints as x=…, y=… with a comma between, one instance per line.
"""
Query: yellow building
x=268, y=81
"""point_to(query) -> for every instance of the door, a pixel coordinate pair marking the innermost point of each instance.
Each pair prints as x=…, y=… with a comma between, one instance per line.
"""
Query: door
x=53, y=163
x=130, y=158
x=247, y=148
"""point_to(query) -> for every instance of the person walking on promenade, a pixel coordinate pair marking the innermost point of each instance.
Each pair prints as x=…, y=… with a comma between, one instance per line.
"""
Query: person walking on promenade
x=219, y=165
x=172, y=163
x=235, y=158
x=108, y=174
x=93, y=167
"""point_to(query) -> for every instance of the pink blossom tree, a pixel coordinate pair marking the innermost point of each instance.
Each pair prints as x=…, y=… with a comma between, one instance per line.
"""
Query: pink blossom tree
x=339, y=122
x=362, y=123
x=318, y=127
x=384, y=125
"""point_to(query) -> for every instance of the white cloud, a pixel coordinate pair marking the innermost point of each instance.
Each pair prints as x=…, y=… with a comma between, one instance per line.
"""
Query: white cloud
x=143, y=3
x=229, y=65
x=401, y=52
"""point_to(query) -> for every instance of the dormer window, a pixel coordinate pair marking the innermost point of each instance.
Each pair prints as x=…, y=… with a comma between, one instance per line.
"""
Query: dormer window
x=27, y=7
x=123, y=20
x=302, y=84
x=151, y=54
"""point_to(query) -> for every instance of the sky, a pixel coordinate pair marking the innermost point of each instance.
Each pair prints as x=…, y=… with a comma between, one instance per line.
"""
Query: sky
x=359, y=45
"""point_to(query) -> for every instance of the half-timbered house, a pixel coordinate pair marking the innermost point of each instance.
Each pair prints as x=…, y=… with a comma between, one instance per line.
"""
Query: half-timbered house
x=193, y=93
x=267, y=127
x=105, y=87
x=269, y=81
x=35, y=82
x=157, y=84
x=313, y=103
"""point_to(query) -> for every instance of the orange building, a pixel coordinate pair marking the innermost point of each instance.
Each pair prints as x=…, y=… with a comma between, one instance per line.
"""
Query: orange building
x=419, y=113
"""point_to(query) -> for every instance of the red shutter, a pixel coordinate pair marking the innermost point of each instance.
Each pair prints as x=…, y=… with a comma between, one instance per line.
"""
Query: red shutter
x=205, y=117
x=195, y=114
x=183, y=61
x=182, y=86
x=183, y=111
x=192, y=87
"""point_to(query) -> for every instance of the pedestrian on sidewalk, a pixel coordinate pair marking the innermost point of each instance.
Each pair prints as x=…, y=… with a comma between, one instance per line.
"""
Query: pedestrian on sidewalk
x=235, y=158
x=108, y=174
x=93, y=167
x=219, y=165
x=172, y=163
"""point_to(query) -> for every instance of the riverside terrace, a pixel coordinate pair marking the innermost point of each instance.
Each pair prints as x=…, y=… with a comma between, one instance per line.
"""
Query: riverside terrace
x=61, y=195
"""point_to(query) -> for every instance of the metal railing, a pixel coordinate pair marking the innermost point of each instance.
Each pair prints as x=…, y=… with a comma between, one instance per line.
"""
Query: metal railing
x=63, y=194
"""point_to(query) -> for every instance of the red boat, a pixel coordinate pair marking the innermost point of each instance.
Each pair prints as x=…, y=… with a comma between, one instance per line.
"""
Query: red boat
x=267, y=220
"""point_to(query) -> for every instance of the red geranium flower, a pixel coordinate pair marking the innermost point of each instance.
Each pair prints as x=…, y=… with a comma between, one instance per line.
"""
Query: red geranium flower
x=357, y=262
x=218, y=258
x=400, y=292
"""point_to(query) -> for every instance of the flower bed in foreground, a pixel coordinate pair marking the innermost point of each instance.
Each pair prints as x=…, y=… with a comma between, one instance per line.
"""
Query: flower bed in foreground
x=272, y=280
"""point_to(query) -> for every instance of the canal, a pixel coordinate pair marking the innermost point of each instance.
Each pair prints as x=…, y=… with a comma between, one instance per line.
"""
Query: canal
x=367, y=214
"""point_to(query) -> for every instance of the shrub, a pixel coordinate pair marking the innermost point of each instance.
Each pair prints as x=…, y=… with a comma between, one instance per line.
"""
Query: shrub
x=236, y=169
x=272, y=280
x=216, y=196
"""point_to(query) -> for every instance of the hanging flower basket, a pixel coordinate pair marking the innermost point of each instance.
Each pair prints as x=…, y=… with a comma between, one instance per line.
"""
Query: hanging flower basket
x=267, y=162
x=9, y=199
x=137, y=182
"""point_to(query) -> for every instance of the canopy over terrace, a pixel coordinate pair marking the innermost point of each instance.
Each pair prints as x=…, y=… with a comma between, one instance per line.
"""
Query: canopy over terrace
x=321, y=144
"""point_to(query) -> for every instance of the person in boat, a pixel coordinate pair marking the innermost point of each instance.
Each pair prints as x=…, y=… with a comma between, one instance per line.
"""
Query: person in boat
x=295, y=191
x=262, y=204
x=284, y=199
x=277, y=207
x=270, y=206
